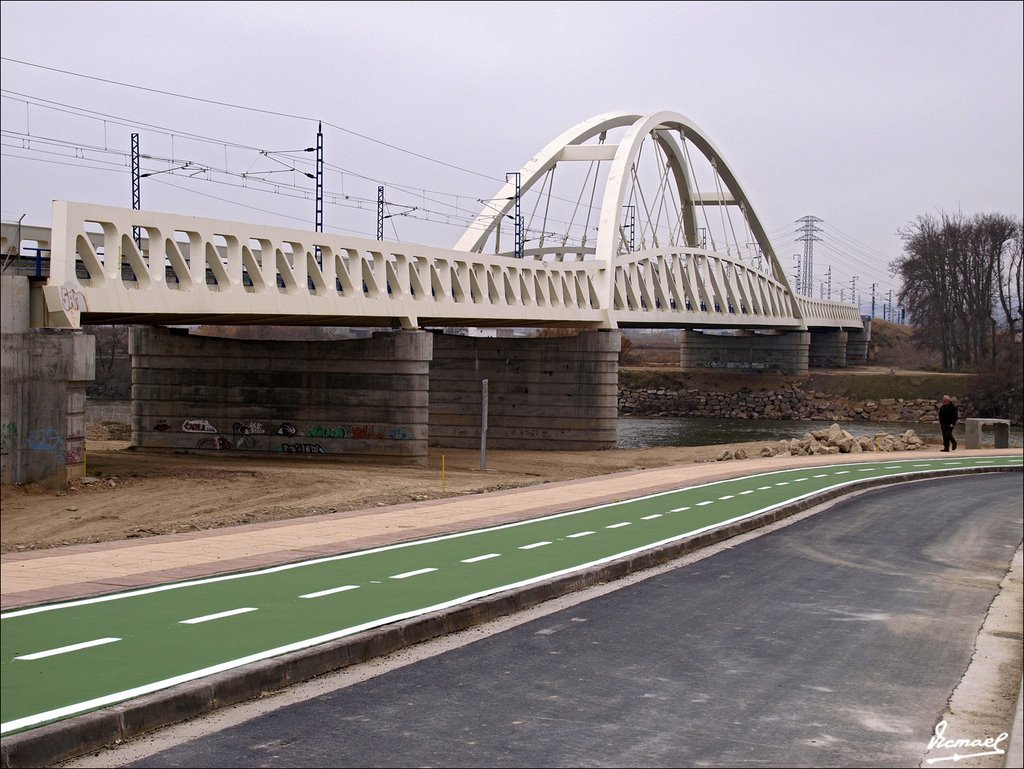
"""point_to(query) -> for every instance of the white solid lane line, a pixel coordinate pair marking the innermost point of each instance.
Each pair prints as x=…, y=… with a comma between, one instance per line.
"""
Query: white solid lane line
x=66, y=649
x=482, y=557
x=329, y=591
x=407, y=574
x=535, y=544
x=580, y=534
x=218, y=615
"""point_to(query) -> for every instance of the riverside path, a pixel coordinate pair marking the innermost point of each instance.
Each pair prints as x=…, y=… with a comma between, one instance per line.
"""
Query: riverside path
x=64, y=659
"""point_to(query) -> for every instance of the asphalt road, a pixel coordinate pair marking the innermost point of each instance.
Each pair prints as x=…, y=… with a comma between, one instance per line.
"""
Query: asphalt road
x=835, y=641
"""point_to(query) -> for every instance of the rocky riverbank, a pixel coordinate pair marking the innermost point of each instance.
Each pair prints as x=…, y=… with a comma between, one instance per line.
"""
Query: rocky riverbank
x=785, y=402
x=834, y=440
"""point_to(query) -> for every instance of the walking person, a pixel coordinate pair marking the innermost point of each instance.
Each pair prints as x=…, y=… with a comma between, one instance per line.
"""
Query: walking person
x=948, y=416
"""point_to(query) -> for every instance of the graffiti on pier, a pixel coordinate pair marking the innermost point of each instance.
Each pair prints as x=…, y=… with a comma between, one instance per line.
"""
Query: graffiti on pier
x=75, y=454
x=73, y=300
x=217, y=442
x=319, y=431
x=287, y=429
x=197, y=426
x=400, y=434
x=367, y=433
x=8, y=436
x=48, y=440
x=45, y=439
x=162, y=426
x=302, y=448
x=245, y=433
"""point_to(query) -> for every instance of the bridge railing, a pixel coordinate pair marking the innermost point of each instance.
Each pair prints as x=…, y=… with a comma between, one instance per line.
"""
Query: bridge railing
x=115, y=264
x=670, y=286
x=824, y=314
x=192, y=267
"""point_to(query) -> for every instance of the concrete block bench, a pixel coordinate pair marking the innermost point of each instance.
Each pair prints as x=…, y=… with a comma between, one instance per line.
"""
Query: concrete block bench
x=1000, y=432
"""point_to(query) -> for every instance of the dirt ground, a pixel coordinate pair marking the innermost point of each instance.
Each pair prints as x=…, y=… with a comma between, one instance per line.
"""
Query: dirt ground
x=130, y=493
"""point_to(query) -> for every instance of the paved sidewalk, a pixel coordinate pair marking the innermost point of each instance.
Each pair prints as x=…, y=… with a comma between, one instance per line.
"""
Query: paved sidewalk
x=76, y=571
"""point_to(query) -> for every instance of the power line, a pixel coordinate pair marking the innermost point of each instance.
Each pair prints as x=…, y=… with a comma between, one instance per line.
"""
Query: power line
x=275, y=113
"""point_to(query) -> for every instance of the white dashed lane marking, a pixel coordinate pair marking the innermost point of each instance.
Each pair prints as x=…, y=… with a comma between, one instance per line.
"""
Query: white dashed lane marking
x=482, y=558
x=748, y=491
x=330, y=591
x=67, y=649
x=709, y=502
x=651, y=517
x=679, y=510
x=218, y=615
x=618, y=525
x=580, y=534
x=728, y=496
x=407, y=574
x=535, y=544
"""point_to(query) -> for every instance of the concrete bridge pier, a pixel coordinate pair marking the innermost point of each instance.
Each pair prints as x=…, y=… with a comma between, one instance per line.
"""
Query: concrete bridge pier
x=827, y=348
x=381, y=398
x=42, y=394
x=553, y=393
x=784, y=352
x=359, y=398
x=857, y=343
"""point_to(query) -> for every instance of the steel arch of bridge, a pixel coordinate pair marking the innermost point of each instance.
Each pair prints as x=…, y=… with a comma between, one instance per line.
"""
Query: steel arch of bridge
x=195, y=270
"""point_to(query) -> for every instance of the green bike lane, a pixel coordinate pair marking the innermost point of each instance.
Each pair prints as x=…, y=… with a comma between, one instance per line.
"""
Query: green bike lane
x=64, y=659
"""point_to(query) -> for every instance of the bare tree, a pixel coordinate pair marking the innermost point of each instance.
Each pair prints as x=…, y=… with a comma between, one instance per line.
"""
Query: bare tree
x=953, y=270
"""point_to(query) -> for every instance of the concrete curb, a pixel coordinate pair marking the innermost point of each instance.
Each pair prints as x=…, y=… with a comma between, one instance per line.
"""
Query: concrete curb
x=53, y=743
x=1015, y=750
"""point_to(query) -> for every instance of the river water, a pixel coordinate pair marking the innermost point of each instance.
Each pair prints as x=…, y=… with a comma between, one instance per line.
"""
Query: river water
x=639, y=433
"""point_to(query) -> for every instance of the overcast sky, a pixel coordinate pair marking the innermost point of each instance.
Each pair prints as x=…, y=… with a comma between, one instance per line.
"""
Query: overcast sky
x=866, y=115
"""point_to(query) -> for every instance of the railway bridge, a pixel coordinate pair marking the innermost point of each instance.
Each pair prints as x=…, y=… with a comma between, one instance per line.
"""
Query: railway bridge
x=623, y=221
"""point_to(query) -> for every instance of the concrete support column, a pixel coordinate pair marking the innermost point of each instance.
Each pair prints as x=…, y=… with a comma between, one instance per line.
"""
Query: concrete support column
x=828, y=348
x=42, y=394
x=857, y=344
x=556, y=393
x=745, y=351
x=362, y=398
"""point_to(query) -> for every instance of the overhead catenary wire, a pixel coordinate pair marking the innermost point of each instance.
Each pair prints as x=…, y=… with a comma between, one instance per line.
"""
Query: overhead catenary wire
x=452, y=212
x=171, y=133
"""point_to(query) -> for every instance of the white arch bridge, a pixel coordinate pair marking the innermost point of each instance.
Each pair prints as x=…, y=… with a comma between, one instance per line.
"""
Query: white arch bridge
x=643, y=225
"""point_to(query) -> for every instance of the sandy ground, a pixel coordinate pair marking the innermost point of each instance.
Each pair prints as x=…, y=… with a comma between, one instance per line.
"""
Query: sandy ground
x=130, y=493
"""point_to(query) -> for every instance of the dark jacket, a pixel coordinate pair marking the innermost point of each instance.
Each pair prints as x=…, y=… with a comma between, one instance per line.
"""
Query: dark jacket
x=948, y=415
